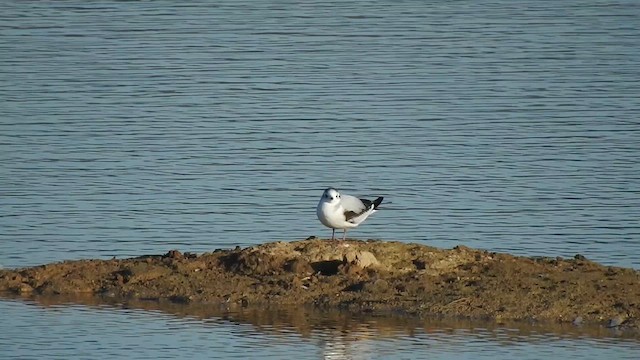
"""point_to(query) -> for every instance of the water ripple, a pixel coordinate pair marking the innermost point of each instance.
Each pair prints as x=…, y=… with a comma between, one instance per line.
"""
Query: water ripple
x=196, y=126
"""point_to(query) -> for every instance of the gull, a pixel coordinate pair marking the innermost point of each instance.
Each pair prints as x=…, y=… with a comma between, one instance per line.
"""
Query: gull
x=341, y=211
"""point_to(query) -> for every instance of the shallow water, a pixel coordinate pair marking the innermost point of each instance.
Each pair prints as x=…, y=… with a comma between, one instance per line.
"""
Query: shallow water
x=54, y=330
x=132, y=128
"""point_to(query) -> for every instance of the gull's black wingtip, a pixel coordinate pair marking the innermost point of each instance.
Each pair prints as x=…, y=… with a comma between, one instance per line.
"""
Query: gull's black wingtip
x=377, y=202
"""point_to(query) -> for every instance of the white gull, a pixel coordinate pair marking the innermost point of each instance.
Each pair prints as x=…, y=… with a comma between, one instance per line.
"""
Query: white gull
x=341, y=211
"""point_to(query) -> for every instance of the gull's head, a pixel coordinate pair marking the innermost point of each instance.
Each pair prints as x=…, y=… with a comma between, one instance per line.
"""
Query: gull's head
x=331, y=195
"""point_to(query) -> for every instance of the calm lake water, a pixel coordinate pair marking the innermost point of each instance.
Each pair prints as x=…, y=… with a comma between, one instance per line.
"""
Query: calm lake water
x=63, y=331
x=132, y=128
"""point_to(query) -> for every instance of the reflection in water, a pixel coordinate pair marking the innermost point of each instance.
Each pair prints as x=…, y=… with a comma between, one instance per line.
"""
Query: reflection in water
x=62, y=326
x=337, y=327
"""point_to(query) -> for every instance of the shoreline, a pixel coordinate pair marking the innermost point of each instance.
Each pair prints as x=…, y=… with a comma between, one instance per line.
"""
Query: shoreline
x=365, y=276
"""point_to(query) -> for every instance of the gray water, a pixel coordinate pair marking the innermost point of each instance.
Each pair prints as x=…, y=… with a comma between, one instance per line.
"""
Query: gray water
x=104, y=331
x=131, y=128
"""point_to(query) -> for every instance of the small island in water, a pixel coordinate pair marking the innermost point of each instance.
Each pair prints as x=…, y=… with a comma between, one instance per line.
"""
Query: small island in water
x=364, y=276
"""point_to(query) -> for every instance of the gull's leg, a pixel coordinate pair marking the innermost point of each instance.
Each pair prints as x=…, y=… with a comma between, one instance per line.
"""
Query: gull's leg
x=333, y=234
x=344, y=236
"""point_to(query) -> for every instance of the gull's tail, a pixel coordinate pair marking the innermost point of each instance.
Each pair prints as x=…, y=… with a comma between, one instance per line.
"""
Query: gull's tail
x=377, y=202
x=371, y=207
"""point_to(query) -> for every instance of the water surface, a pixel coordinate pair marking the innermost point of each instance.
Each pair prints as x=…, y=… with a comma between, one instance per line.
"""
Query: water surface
x=130, y=128
x=54, y=330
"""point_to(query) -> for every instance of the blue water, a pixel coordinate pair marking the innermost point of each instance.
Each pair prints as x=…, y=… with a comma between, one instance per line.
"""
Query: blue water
x=131, y=128
x=89, y=332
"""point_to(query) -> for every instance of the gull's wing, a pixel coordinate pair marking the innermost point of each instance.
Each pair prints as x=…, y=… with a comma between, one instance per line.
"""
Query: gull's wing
x=352, y=204
x=356, y=210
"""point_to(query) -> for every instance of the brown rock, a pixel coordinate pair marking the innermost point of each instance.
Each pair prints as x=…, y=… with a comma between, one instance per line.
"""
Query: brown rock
x=362, y=259
x=409, y=277
x=299, y=266
x=25, y=288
